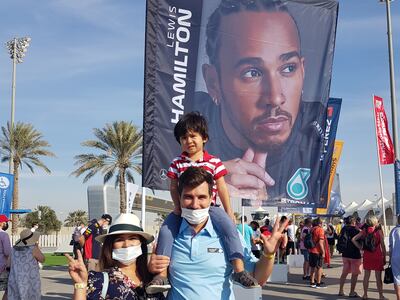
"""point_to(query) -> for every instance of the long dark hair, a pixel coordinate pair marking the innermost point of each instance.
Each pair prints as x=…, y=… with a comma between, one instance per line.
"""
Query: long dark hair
x=106, y=261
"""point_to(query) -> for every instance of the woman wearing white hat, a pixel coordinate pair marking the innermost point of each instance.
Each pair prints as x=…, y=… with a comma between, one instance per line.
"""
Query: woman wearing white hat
x=123, y=260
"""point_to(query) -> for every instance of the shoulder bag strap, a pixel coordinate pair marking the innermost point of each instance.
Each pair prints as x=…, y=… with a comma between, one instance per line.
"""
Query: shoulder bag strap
x=105, y=285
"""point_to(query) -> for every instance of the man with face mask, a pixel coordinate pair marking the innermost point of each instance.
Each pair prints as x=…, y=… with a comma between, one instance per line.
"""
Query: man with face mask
x=5, y=251
x=199, y=268
x=91, y=245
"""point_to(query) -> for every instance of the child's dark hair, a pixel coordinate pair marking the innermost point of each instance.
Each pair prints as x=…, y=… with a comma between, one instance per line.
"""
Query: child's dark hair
x=192, y=121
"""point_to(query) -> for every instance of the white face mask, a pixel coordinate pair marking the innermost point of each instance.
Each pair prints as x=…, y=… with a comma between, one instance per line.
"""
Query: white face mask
x=127, y=255
x=195, y=216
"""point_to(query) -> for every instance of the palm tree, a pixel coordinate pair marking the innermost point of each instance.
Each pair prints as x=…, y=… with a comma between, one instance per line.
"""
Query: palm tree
x=27, y=146
x=76, y=218
x=120, y=144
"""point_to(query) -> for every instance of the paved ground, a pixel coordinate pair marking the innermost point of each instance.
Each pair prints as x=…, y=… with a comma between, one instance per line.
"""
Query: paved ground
x=56, y=284
x=296, y=288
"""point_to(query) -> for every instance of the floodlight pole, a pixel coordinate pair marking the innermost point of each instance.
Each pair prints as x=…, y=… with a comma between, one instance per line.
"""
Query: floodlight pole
x=16, y=48
x=14, y=58
x=393, y=104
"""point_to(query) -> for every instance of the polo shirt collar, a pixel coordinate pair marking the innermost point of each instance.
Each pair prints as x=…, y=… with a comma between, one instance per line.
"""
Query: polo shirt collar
x=209, y=228
x=206, y=156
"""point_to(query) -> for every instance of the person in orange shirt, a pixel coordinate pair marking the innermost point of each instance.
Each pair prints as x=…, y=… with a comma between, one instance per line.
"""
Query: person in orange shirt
x=317, y=254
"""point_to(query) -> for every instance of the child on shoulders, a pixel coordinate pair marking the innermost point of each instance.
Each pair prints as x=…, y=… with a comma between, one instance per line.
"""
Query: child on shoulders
x=192, y=134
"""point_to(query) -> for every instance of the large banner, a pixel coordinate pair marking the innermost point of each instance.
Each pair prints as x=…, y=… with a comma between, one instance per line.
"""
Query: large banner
x=384, y=141
x=260, y=72
x=329, y=137
x=334, y=194
x=6, y=193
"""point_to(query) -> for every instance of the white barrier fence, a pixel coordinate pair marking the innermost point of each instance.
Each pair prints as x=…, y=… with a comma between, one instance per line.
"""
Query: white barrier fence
x=48, y=241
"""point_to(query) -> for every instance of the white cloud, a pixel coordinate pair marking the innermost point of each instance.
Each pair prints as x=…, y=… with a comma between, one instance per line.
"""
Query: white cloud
x=100, y=13
x=365, y=29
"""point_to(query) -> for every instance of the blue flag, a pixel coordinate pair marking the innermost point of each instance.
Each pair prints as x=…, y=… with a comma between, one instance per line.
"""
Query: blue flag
x=397, y=185
x=6, y=193
x=335, y=205
x=331, y=124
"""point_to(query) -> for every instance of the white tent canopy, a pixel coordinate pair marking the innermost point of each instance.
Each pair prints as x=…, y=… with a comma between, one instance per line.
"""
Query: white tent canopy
x=364, y=208
x=386, y=202
x=375, y=206
x=366, y=205
x=352, y=207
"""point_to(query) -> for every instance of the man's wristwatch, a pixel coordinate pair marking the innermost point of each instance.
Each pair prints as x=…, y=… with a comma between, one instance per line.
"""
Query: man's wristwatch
x=80, y=285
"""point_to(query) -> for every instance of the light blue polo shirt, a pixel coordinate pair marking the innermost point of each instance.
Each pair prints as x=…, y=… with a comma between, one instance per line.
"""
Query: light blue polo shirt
x=199, y=268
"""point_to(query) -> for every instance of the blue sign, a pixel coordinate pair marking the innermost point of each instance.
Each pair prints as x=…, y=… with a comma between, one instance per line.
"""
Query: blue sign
x=397, y=185
x=6, y=193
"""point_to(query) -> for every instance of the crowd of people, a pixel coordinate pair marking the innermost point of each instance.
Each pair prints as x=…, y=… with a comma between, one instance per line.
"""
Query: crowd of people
x=361, y=245
x=121, y=270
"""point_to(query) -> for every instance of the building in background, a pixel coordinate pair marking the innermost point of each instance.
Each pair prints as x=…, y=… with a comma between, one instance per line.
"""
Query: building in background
x=105, y=199
x=102, y=199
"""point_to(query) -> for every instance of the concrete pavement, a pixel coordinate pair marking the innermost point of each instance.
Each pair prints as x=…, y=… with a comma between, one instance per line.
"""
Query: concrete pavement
x=297, y=288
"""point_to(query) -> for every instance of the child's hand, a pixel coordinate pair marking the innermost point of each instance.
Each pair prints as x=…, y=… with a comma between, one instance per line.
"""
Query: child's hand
x=157, y=263
x=177, y=210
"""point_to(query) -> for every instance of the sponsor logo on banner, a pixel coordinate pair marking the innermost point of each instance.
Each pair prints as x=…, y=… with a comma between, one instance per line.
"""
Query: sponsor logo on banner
x=297, y=185
x=163, y=174
x=4, y=182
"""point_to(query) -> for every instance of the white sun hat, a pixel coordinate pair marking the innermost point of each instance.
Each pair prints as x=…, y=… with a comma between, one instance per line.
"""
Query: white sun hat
x=126, y=223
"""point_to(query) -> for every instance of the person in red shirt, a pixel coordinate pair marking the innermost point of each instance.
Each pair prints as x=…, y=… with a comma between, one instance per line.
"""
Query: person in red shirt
x=91, y=247
x=317, y=253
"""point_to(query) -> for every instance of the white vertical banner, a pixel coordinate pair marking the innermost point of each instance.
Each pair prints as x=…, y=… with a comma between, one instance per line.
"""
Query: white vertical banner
x=131, y=190
x=143, y=213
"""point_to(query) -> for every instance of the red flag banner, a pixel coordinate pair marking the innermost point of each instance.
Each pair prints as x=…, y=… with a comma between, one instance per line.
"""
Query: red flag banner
x=384, y=141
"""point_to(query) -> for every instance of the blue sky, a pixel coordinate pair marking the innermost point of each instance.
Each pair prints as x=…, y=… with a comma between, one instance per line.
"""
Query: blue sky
x=84, y=68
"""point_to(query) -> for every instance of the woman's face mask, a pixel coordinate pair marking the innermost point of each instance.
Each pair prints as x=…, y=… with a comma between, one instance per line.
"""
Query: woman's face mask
x=5, y=226
x=127, y=255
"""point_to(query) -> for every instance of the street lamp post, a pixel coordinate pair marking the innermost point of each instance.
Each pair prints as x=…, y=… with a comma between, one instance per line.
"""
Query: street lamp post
x=394, y=106
x=16, y=48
